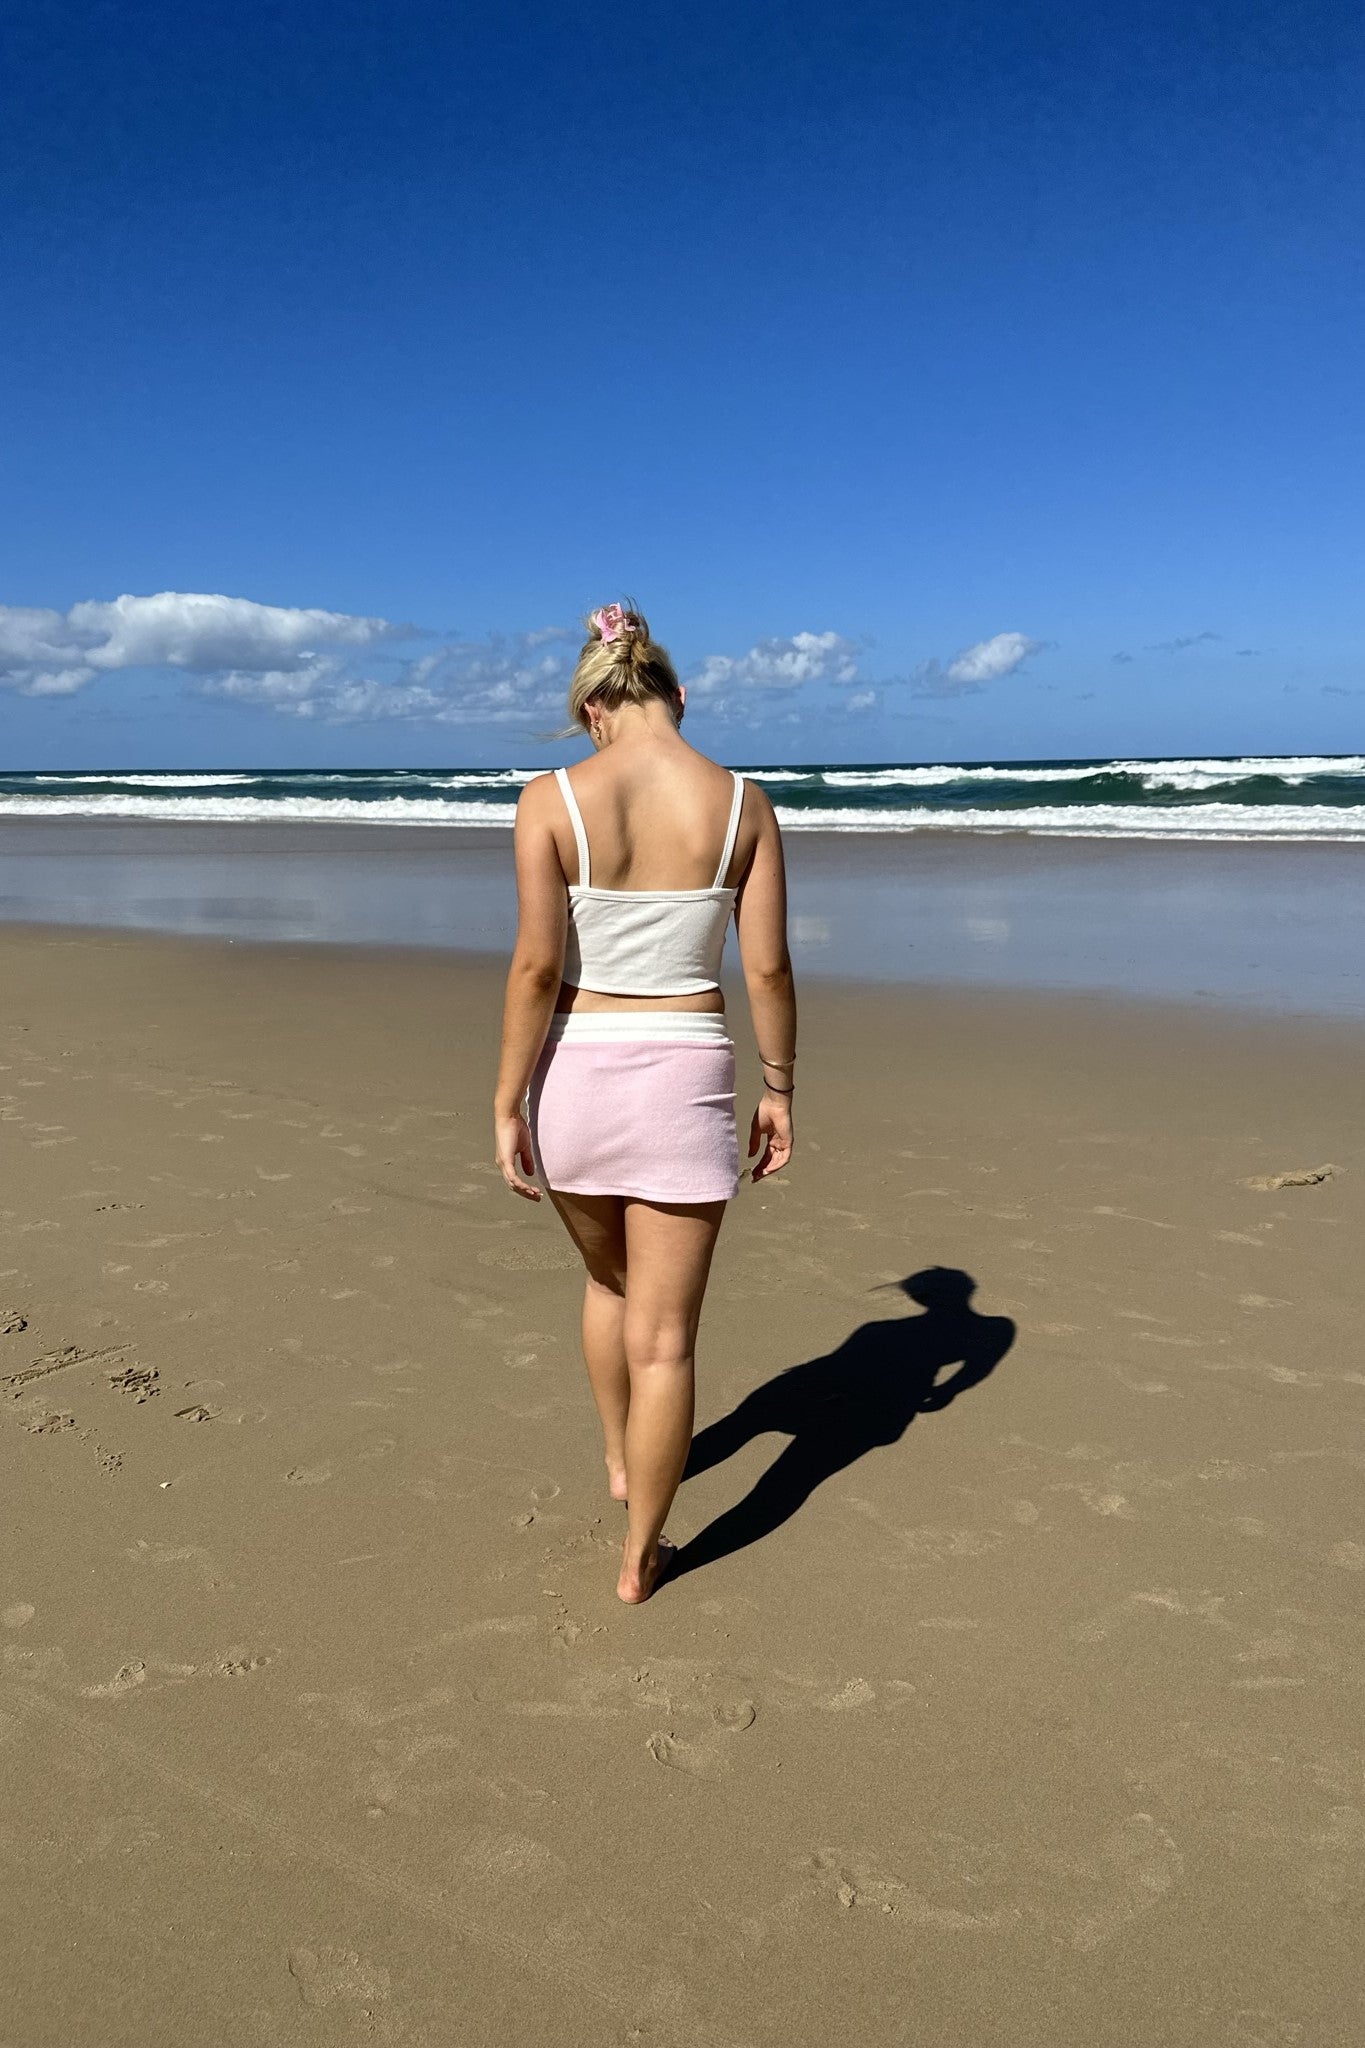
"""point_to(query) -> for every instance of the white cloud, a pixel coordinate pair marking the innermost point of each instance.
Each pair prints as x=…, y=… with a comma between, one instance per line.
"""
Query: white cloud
x=986, y=662
x=778, y=665
x=991, y=659
x=51, y=653
x=61, y=682
x=37, y=654
x=521, y=681
x=504, y=680
x=342, y=668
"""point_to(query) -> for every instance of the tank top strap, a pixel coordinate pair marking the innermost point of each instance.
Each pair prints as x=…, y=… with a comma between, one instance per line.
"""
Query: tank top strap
x=736, y=806
x=579, y=830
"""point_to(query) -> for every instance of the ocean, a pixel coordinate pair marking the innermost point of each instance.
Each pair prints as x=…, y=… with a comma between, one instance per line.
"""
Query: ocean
x=1287, y=798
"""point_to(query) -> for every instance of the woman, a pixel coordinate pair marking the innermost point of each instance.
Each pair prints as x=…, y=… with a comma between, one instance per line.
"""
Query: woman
x=628, y=868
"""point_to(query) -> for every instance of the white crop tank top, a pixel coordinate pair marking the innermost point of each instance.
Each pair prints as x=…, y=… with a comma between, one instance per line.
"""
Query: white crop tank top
x=646, y=942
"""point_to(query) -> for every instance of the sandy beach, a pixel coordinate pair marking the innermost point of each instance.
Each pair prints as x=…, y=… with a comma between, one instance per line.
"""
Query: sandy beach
x=1020, y=1713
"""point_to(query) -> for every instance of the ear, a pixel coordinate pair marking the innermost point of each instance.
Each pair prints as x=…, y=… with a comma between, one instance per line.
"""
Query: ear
x=682, y=699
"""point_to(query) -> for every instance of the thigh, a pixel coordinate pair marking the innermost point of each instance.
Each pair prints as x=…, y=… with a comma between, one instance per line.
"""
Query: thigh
x=596, y=1223
x=668, y=1258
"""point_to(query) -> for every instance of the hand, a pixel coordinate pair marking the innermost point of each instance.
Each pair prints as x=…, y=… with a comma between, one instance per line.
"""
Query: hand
x=771, y=1129
x=512, y=1149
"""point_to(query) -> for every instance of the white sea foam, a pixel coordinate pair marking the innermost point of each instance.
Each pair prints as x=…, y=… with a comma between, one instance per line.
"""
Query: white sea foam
x=941, y=777
x=1292, y=770
x=1105, y=821
x=1092, y=821
x=255, y=810
x=151, y=781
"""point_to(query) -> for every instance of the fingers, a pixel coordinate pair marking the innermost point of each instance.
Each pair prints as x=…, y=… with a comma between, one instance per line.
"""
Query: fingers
x=515, y=1182
x=512, y=1149
x=775, y=1157
x=777, y=1145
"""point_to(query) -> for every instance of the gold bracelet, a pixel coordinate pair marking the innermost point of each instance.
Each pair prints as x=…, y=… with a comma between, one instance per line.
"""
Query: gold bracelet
x=777, y=1063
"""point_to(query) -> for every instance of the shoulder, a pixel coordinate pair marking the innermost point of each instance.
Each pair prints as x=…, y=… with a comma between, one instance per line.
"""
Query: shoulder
x=758, y=807
x=540, y=810
x=537, y=797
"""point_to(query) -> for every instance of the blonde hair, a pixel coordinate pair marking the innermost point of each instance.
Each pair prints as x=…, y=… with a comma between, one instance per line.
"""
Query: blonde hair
x=630, y=668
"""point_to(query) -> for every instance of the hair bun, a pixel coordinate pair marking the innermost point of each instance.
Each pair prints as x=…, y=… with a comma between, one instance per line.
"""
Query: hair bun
x=616, y=625
x=620, y=664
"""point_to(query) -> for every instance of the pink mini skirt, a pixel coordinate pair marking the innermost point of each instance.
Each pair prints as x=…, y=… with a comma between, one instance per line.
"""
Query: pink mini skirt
x=642, y=1106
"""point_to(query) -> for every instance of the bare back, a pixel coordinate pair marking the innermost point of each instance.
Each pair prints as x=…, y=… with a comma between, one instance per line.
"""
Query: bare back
x=656, y=817
x=655, y=813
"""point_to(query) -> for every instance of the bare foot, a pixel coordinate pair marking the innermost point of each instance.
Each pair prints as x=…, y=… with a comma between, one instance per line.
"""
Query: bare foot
x=635, y=1586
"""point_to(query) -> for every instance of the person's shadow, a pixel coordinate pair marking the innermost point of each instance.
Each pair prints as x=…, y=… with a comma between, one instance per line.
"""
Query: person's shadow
x=835, y=1408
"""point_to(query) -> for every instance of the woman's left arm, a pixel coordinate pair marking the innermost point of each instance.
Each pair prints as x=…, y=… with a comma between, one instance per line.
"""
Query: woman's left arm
x=532, y=980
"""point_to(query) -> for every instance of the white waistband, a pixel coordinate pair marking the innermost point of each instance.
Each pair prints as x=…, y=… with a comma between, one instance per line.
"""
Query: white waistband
x=614, y=1027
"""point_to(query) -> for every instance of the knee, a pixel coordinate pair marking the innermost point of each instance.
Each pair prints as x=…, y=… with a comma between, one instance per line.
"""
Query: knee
x=658, y=1345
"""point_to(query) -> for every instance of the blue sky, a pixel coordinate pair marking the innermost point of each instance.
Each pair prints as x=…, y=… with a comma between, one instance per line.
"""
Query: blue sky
x=910, y=366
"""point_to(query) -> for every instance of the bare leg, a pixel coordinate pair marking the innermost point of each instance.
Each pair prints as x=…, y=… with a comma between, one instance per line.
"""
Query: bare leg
x=668, y=1258
x=597, y=1226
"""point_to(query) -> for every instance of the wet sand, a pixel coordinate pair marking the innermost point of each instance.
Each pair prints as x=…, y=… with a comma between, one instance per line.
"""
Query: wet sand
x=1019, y=1706
x=1267, y=925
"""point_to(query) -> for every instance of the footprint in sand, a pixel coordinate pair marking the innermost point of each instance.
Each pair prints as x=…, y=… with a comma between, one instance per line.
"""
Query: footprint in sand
x=856, y=1693
x=241, y=1663
x=308, y=1475
x=705, y=1756
x=19, y=1615
x=856, y=1886
x=126, y=1679
x=694, y=1759
x=11, y=1322
x=51, y=1423
x=138, y=1380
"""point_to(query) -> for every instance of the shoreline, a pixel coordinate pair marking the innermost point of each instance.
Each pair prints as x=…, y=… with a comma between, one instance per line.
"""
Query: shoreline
x=1109, y=1008
x=1280, y=926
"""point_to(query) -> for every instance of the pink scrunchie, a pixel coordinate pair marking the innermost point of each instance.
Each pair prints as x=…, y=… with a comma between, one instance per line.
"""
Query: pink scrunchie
x=612, y=623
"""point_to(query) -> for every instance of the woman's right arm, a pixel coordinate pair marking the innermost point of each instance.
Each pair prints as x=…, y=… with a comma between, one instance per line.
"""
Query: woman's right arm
x=761, y=921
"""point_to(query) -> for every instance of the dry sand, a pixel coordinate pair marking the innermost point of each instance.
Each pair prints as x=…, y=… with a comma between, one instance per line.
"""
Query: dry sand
x=1037, y=1722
